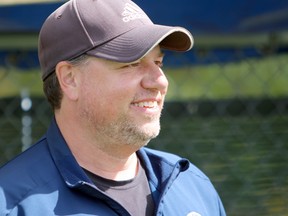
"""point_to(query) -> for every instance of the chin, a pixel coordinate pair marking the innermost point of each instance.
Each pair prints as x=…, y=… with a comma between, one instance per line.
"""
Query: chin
x=151, y=132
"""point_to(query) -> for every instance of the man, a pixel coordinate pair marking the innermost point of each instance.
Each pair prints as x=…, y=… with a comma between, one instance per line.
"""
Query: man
x=101, y=67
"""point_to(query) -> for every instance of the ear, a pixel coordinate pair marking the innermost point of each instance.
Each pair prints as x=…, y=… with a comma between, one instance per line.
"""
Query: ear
x=67, y=78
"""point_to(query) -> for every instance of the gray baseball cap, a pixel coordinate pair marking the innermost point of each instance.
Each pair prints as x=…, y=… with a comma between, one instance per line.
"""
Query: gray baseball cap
x=116, y=30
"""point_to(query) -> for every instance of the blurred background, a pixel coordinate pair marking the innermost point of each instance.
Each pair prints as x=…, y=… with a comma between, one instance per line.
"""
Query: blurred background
x=227, y=109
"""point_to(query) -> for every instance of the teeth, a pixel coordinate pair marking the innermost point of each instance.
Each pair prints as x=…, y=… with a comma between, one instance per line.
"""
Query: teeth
x=147, y=104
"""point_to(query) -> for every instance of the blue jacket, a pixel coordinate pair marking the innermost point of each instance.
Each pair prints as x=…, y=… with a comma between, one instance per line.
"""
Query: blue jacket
x=47, y=180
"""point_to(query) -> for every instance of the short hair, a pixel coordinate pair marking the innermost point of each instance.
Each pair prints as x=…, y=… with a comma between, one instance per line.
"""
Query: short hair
x=52, y=88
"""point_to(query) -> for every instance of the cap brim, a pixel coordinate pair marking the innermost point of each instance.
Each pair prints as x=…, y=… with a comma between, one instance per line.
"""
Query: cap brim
x=136, y=43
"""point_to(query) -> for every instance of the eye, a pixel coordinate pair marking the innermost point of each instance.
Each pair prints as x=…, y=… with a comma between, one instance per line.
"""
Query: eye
x=159, y=63
x=135, y=64
x=131, y=65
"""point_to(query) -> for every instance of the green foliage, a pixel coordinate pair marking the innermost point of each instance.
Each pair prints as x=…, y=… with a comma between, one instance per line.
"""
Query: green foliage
x=13, y=81
x=248, y=78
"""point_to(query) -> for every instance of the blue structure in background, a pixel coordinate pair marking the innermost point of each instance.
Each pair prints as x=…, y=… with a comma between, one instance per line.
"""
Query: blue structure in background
x=202, y=17
x=24, y=18
x=221, y=16
x=199, y=16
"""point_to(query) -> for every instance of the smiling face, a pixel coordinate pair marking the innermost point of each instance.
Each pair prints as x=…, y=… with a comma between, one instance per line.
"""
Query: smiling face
x=121, y=103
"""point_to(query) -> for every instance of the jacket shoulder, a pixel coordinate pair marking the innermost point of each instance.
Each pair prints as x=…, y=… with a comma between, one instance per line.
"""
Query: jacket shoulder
x=30, y=171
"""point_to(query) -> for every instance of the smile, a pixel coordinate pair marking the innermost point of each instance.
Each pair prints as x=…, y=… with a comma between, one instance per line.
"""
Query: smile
x=146, y=104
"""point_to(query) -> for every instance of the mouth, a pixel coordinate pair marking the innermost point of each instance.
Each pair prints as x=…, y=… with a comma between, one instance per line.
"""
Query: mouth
x=150, y=109
x=146, y=104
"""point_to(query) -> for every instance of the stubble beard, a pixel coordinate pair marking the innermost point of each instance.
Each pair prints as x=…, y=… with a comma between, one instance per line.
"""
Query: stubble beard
x=129, y=133
x=123, y=131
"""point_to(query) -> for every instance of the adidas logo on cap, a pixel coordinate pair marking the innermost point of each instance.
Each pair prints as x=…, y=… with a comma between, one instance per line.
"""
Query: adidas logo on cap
x=131, y=12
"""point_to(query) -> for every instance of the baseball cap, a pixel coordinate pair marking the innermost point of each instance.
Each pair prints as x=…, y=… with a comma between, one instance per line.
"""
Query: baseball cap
x=117, y=30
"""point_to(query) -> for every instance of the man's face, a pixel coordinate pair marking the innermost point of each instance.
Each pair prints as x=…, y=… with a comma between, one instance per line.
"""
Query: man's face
x=121, y=103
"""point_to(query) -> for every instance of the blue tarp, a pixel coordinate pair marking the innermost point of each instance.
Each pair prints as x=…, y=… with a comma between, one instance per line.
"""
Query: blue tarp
x=201, y=17
x=221, y=16
x=24, y=18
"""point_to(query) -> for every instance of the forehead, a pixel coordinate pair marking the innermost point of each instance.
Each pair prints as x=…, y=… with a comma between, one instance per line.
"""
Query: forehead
x=155, y=53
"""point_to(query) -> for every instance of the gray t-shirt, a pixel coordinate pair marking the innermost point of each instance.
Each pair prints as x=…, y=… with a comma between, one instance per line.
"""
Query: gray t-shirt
x=134, y=195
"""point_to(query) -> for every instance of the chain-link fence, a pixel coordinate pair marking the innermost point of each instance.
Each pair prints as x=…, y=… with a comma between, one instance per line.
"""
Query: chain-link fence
x=227, y=111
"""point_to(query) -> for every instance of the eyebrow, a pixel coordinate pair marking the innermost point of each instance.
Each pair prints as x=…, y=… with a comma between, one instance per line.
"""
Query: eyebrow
x=161, y=54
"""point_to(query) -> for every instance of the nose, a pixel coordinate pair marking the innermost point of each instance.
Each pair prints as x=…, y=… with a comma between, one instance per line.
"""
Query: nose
x=155, y=79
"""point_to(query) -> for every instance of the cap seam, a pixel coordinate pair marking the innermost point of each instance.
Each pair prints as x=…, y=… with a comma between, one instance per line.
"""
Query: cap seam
x=82, y=24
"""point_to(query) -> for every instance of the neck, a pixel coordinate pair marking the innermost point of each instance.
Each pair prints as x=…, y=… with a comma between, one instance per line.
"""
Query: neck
x=110, y=167
x=115, y=163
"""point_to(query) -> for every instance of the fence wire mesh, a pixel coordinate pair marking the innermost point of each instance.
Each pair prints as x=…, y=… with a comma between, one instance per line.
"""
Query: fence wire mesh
x=227, y=111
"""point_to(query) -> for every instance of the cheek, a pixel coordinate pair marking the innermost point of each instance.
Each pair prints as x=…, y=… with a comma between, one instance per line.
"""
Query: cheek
x=112, y=94
x=106, y=98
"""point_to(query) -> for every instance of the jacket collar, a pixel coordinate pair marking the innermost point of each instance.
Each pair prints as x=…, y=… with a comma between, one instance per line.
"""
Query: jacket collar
x=66, y=163
x=160, y=170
